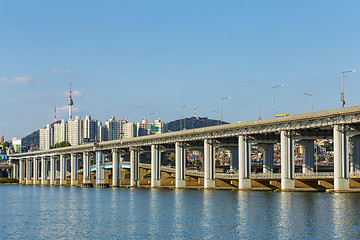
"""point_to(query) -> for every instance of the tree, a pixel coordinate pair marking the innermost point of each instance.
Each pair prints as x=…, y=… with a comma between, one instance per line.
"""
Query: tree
x=62, y=144
x=6, y=144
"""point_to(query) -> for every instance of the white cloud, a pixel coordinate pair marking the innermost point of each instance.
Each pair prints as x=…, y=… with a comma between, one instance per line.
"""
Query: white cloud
x=74, y=93
x=61, y=70
x=46, y=96
x=65, y=109
x=18, y=80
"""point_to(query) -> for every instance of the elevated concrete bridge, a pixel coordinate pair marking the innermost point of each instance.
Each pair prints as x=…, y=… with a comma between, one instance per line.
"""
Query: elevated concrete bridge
x=342, y=125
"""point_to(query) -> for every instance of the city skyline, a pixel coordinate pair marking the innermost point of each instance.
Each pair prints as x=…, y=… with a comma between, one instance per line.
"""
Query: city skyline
x=128, y=60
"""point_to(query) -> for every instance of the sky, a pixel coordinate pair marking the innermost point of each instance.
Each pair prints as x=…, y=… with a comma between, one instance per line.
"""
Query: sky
x=131, y=58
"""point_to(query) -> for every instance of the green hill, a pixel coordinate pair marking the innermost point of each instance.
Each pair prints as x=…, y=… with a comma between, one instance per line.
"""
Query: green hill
x=30, y=139
x=193, y=122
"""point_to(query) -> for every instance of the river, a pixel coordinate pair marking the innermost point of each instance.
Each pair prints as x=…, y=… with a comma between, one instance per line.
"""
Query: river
x=43, y=212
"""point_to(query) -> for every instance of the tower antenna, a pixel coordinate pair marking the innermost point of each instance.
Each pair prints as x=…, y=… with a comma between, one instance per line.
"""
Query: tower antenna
x=70, y=104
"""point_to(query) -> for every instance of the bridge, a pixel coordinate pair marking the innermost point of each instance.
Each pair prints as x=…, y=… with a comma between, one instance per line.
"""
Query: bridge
x=341, y=125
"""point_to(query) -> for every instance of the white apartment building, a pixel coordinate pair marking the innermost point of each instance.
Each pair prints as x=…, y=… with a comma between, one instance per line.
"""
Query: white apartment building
x=102, y=132
x=60, y=132
x=158, y=127
x=75, y=131
x=128, y=129
x=113, y=129
x=90, y=129
x=45, y=137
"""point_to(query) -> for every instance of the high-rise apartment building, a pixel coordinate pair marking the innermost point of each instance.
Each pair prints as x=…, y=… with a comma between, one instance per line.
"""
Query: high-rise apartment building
x=75, y=131
x=90, y=130
x=60, y=132
x=45, y=137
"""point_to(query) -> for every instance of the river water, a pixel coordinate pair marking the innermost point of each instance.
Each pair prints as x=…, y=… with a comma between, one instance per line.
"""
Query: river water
x=43, y=212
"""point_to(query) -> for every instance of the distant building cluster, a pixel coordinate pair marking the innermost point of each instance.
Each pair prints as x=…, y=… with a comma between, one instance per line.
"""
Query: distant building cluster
x=77, y=131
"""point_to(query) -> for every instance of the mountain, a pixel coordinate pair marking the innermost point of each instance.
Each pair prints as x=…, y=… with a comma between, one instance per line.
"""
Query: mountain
x=193, y=122
x=32, y=138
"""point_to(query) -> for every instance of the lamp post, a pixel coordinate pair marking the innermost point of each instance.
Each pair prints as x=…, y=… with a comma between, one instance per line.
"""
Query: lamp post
x=181, y=115
x=342, y=92
x=273, y=101
x=259, y=108
x=312, y=100
x=218, y=116
x=221, y=100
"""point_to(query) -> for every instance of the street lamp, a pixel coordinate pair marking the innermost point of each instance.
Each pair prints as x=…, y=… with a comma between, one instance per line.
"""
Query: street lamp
x=221, y=100
x=218, y=116
x=273, y=101
x=259, y=108
x=312, y=100
x=181, y=115
x=342, y=93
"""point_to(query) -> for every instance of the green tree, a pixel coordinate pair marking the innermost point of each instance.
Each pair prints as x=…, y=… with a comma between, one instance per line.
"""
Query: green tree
x=62, y=144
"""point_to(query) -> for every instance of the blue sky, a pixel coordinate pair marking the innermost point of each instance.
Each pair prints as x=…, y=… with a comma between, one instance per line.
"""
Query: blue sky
x=131, y=58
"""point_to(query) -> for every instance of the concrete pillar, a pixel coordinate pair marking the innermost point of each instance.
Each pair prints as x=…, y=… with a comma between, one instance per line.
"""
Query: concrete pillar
x=155, y=166
x=244, y=162
x=52, y=170
x=36, y=171
x=308, y=156
x=43, y=171
x=341, y=158
x=21, y=171
x=116, y=168
x=134, y=168
x=15, y=170
x=28, y=171
x=100, y=172
x=268, y=157
x=209, y=164
x=63, y=168
x=180, y=165
x=86, y=168
x=234, y=158
x=287, y=161
x=355, y=154
x=74, y=169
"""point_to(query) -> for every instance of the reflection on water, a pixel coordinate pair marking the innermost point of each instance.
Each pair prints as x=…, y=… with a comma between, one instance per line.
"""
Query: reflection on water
x=41, y=212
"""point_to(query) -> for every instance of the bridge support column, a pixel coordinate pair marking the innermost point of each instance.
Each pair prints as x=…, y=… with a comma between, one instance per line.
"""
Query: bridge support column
x=116, y=171
x=209, y=164
x=86, y=168
x=244, y=163
x=308, y=156
x=355, y=155
x=341, y=158
x=36, y=171
x=234, y=158
x=134, y=168
x=155, y=166
x=180, y=165
x=15, y=171
x=74, y=169
x=28, y=171
x=43, y=171
x=287, y=161
x=268, y=157
x=63, y=168
x=21, y=171
x=100, y=172
x=52, y=170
